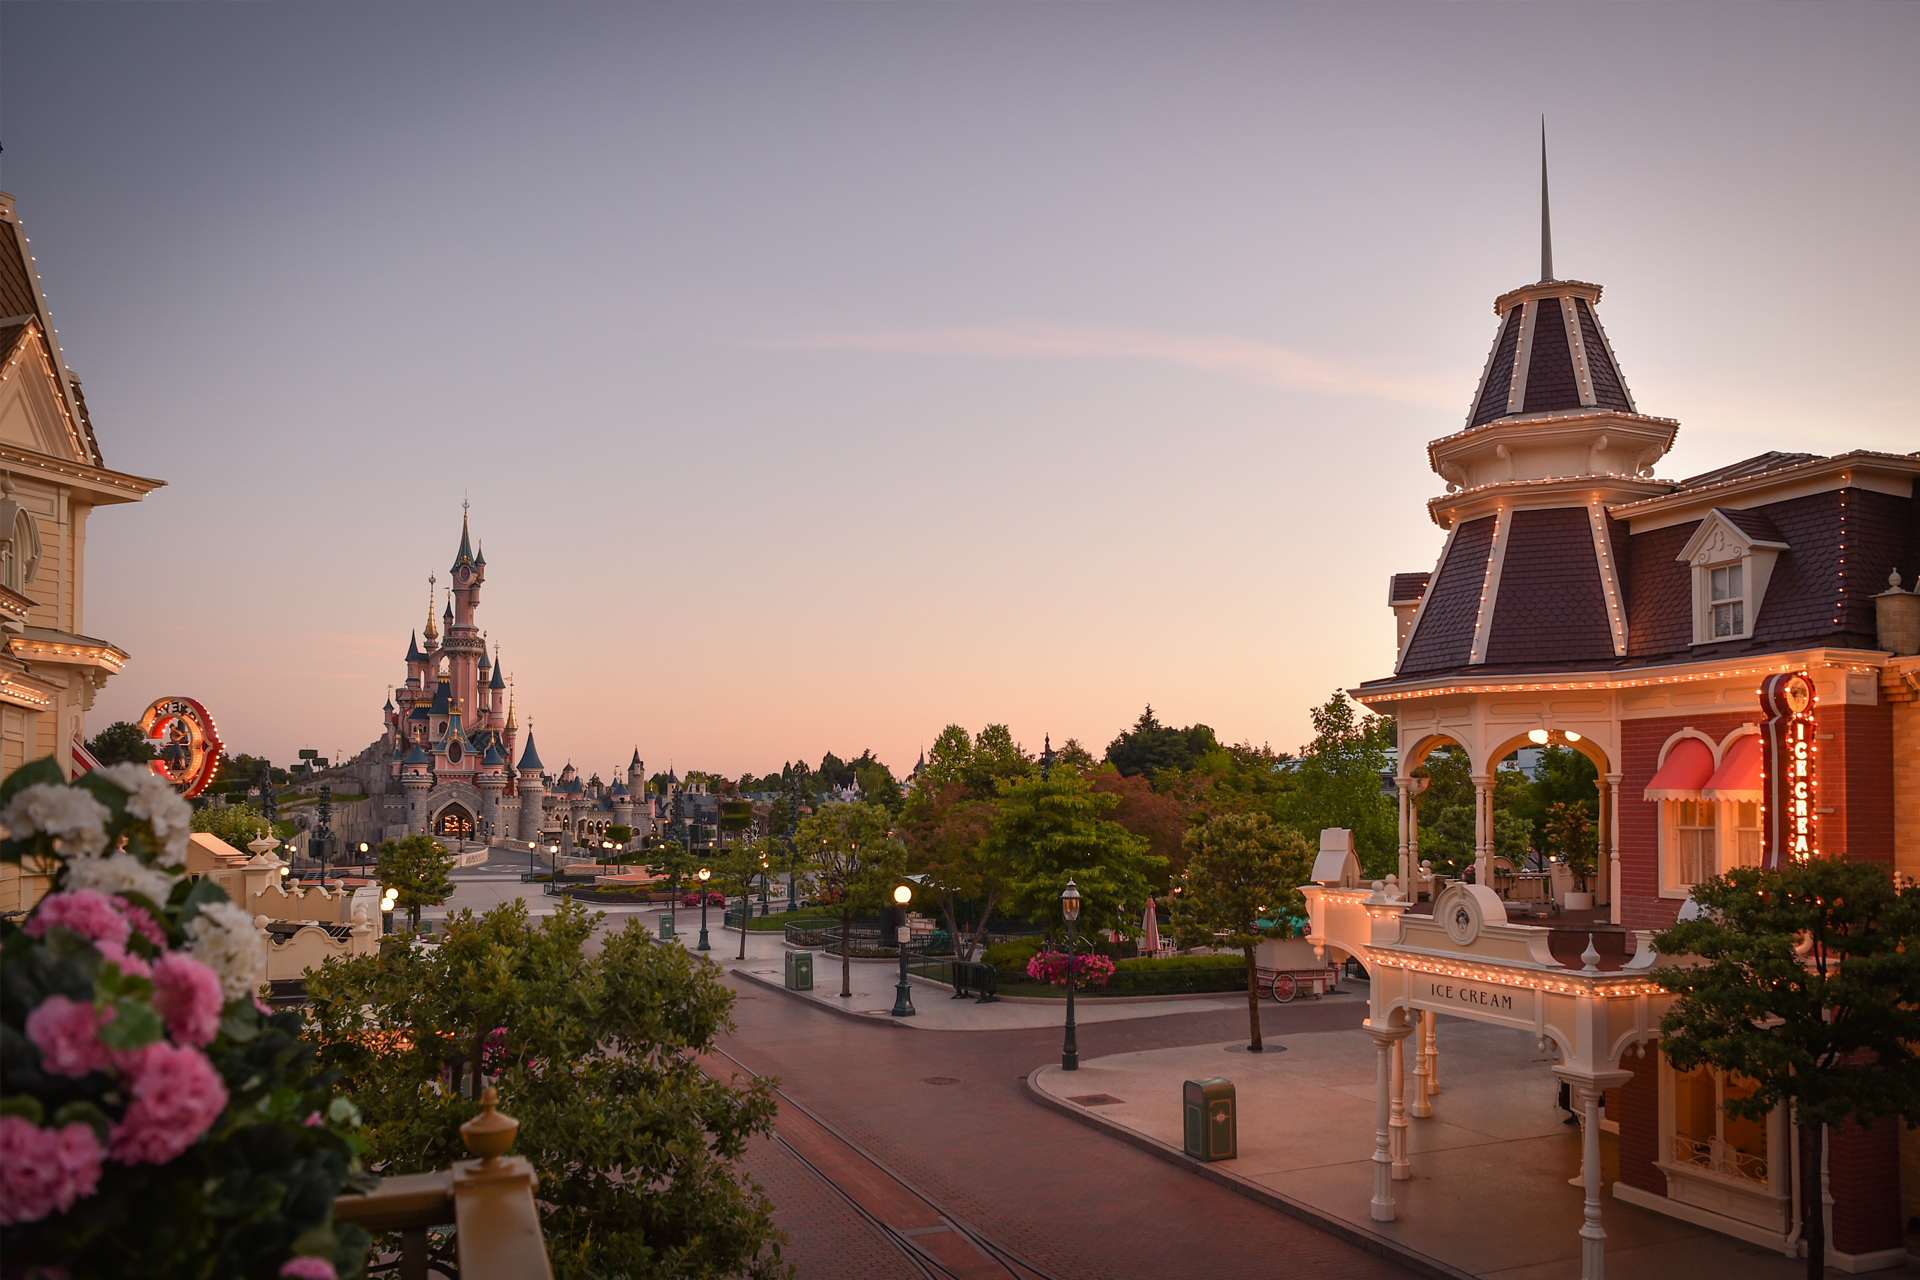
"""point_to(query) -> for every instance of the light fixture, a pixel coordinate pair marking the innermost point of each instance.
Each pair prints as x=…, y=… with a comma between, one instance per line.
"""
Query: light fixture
x=1070, y=901
x=1570, y=735
x=1537, y=736
x=902, y=894
x=704, y=874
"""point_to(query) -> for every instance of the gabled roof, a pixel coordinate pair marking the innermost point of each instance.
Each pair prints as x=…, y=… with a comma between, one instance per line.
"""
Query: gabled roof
x=21, y=300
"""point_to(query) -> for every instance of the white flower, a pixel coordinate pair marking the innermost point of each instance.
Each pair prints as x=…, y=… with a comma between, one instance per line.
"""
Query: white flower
x=223, y=938
x=120, y=873
x=153, y=798
x=76, y=821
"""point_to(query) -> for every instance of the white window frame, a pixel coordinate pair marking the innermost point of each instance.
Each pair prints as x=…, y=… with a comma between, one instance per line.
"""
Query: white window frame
x=1719, y=543
x=1765, y=1205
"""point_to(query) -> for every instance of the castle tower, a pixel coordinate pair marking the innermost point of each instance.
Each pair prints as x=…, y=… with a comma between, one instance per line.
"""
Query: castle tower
x=492, y=781
x=533, y=791
x=636, y=775
x=497, y=697
x=416, y=779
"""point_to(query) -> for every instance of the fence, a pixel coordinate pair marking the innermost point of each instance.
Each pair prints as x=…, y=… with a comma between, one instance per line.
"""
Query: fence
x=1124, y=982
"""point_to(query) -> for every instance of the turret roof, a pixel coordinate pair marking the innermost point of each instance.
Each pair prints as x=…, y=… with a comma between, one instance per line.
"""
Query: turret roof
x=529, y=759
x=496, y=682
x=636, y=759
x=415, y=756
x=465, y=554
x=442, y=697
x=620, y=789
x=413, y=648
x=494, y=756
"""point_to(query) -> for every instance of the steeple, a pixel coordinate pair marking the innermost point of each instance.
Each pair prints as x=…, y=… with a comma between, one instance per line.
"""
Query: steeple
x=433, y=636
x=465, y=554
x=1546, y=223
x=413, y=648
x=511, y=723
x=447, y=616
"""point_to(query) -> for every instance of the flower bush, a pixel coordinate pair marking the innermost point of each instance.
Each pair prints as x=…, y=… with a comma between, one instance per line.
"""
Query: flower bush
x=1053, y=967
x=155, y=1118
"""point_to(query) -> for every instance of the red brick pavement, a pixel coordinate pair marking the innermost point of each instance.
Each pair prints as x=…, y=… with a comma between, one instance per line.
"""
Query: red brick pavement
x=825, y=1237
x=1065, y=1197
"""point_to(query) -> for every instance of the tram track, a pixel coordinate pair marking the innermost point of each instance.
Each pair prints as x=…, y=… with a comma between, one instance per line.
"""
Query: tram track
x=937, y=1242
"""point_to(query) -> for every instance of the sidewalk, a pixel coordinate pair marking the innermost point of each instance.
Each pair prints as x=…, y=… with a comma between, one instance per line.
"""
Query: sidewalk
x=1489, y=1194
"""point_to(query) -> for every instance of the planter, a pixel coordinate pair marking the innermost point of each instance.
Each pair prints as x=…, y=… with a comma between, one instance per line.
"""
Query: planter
x=1577, y=901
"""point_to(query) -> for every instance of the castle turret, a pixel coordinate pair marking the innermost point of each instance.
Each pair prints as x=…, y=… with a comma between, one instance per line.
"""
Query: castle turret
x=492, y=782
x=533, y=792
x=497, y=696
x=416, y=779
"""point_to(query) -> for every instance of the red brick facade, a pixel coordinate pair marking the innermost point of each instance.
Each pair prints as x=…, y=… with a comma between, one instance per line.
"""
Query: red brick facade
x=1641, y=906
x=1864, y=1177
x=1856, y=772
x=1635, y=1107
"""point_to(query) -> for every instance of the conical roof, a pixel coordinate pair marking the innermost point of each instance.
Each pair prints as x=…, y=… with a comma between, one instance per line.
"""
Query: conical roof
x=465, y=554
x=413, y=648
x=530, y=758
x=496, y=682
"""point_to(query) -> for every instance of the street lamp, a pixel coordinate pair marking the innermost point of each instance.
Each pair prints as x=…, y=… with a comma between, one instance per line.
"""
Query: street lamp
x=553, y=876
x=903, y=994
x=763, y=886
x=703, y=875
x=1070, y=907
x=387, y=900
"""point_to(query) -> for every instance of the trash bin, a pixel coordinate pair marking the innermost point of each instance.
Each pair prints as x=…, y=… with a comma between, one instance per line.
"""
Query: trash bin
x=1211, y=1126
x=799, y=970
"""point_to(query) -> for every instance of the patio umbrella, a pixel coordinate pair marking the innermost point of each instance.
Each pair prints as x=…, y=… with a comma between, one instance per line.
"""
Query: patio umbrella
x=1149, y=931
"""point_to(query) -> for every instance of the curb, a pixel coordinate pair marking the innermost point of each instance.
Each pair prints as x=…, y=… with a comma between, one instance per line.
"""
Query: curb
x=834, y=1009
x=1339, y=1228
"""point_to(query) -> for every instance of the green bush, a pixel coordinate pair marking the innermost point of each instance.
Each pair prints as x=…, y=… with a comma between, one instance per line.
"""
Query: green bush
x=1152, y=964
x=1014, y=954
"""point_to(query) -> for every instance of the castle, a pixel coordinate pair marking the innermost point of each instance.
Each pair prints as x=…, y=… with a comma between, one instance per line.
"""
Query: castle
x=444, y=764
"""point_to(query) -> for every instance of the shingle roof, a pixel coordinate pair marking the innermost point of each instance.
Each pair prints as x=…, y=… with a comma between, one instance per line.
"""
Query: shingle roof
x=1771, y=461
x=1550, y=607
x=529, y=759
x=1406, y=588
x=1444, y=637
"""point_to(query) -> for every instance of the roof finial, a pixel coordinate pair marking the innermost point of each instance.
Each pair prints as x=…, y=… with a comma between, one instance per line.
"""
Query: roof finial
x=1546, y=224
x=431, y=633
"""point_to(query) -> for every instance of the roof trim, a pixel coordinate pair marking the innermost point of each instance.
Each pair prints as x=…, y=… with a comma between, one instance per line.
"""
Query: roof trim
x=1689, y=504
x=1396, y=689
x=105, y=486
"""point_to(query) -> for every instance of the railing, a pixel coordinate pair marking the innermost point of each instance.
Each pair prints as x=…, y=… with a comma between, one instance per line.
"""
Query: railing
x=1715, y=1156
x=488, y=1202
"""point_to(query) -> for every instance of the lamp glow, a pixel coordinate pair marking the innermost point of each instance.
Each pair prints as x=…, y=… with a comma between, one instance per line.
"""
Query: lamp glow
x=1537, y=736
x=902, y=894
x=1570, y=736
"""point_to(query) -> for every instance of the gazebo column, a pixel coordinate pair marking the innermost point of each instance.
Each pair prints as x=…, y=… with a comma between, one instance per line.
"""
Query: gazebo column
x=1610, y=843
x=1483, y=828
x=1422, y=1081
x=1397, y=1126
x=1384, y=1040
x=1587, y=1091
x=1409, y=852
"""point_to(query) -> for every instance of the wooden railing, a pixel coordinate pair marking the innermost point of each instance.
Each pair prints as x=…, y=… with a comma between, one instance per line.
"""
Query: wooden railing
x=488, y=1202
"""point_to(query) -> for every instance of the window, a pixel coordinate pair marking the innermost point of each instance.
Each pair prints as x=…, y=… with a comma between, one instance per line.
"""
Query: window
x=1693, y=830
x=1705, y=1137
x=1745, y=845
x=1729, y=606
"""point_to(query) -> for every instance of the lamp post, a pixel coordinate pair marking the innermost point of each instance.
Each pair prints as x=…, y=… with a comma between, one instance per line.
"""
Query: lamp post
x=553, y=875
x=387, y=900
x=1070, y=907
x=903, y=994
x=764, y=871
x=703, y=875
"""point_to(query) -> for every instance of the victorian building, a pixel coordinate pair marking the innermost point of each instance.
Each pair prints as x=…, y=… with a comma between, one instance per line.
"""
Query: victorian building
x=1582, y=601
x=450, y=761
x=52, y=478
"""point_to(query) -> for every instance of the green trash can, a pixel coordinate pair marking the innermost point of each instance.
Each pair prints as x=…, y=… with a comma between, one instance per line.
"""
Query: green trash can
x=799, y=970
x=1211, y=1126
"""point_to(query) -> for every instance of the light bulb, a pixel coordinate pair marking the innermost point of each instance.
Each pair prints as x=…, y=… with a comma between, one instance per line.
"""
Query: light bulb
x=1537, y=736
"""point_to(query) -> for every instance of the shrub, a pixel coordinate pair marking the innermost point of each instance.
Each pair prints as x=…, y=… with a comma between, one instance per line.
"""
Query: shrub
x=1150, y=964
x=1014, y=954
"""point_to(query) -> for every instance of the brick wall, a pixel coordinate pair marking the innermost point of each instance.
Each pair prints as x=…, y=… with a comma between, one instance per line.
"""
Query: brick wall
x=1903, y=733
x=1865, y=1181
x=1635, y=1107
x=1641, y=906
x=1856, y=782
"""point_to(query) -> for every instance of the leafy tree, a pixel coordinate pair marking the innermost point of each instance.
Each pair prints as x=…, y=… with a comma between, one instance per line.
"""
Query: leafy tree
x=878, y=787
x=1570, y=834
x=1242, y=868
x=947, y=843
x=1338, y=776
x=1150, y=748
x=1562, y=776
x=620, y=834
x=1159, y=818
x=996, y=758
x=595, y=1055
x=237, y=824
x=736, y=865
x=1075, y=755
x=853, y=861
x=833, y=772
x=419, y=868
x=1049, y=831
x=1806, y=982
x=121, y=742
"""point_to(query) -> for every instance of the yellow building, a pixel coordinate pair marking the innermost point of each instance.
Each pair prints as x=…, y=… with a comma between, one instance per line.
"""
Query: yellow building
x=52, y=476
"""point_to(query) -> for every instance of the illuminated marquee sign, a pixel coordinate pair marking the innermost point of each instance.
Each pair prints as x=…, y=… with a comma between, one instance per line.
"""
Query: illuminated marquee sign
x=185, y=744
x=1791, y=765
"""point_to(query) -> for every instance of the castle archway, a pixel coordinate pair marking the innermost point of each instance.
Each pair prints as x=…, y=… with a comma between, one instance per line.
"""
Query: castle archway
x=455, y=821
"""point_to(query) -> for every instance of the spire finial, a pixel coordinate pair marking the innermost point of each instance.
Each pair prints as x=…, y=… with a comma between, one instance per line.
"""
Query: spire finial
x=1546, y=224
x=432, y=579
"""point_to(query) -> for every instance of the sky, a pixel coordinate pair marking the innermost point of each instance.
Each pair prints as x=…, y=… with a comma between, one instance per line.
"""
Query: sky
x=820, y=375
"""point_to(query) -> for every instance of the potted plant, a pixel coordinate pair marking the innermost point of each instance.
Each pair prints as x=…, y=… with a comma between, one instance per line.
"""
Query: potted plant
x=1571, y=837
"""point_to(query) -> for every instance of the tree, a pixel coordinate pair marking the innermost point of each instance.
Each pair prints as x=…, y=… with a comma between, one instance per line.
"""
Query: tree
x=1339, y=783
x=1150, y=747
x=1570, y=834
x=237, y=824
x=1072, y=753
x=620, y=834
x=1242, y=868
x=419, y=868
x=735, y=867
x=1048, y=831
x=1805, y=981
x=947, y=842
x=594, y=1055
x=996, y=758
x=1159, y=818
x=877, y=785
x=120, y=743
x=853, y=862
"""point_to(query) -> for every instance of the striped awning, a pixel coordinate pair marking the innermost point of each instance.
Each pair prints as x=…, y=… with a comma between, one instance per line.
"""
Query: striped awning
x=1688, y=767
x=1738, y=777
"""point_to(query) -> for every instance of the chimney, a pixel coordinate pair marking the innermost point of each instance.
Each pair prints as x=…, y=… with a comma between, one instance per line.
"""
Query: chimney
x=1896, y=616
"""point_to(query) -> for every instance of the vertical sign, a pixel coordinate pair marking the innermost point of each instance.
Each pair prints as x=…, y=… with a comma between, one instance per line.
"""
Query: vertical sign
x=1789, y=759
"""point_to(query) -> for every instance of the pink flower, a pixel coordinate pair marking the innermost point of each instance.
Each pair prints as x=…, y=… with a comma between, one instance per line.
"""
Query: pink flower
x=87, y=912
x=143, y=923
x=67, y=1033
x=308, y=1267
x=130, y=964
x=187, y=994
x=312, y=1121
x=177, y=1095
x=45, y=1170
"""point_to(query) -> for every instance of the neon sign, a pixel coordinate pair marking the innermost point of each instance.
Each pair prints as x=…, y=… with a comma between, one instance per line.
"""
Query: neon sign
x=1789, y=760
x=185, y=744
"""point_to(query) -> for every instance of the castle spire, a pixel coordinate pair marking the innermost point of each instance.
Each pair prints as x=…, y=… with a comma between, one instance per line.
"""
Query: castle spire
x=1546, y=223
x=431, y=633
x=510, y=721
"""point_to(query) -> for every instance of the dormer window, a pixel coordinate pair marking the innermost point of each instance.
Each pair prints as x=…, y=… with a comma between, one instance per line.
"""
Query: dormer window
x=1727, y=602
x=1732, y=556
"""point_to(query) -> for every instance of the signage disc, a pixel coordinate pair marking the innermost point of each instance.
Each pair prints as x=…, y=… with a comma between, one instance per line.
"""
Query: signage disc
x=185, y=744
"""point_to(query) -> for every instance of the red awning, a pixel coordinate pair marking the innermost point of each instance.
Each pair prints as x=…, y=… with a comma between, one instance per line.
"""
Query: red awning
x=1738, y=777
x=1689, y=765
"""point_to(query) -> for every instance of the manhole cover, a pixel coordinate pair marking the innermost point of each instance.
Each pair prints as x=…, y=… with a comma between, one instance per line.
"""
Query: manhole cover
x=1096, y=1100
x=941, y=1080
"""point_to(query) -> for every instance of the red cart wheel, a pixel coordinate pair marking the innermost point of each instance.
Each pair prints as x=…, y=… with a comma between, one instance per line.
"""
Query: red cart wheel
x=1284, y=987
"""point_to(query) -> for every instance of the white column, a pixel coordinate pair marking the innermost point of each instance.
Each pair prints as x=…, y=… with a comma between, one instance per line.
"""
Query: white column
x=1397, y=1126
x=1610, y=800
x=1422, y=1085
x=1433, y=1053
x=1382, y=1207
x=1483, y=828
x=1409, y=856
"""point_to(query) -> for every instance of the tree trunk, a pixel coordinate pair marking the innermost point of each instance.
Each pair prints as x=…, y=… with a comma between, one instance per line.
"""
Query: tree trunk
x=1813, y=1202
x=1253, y=1002
x=846, y=956
x=960, y=954
x=746, y=913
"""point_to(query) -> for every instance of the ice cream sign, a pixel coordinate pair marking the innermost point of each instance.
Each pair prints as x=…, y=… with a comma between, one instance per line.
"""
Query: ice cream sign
x=1791, y=765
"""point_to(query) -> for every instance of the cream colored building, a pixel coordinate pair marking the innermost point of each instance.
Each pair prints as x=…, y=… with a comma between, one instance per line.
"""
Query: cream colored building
x=52, y=476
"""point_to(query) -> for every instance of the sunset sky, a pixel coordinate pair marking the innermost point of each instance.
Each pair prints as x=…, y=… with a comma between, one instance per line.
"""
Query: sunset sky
x=820, y=375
